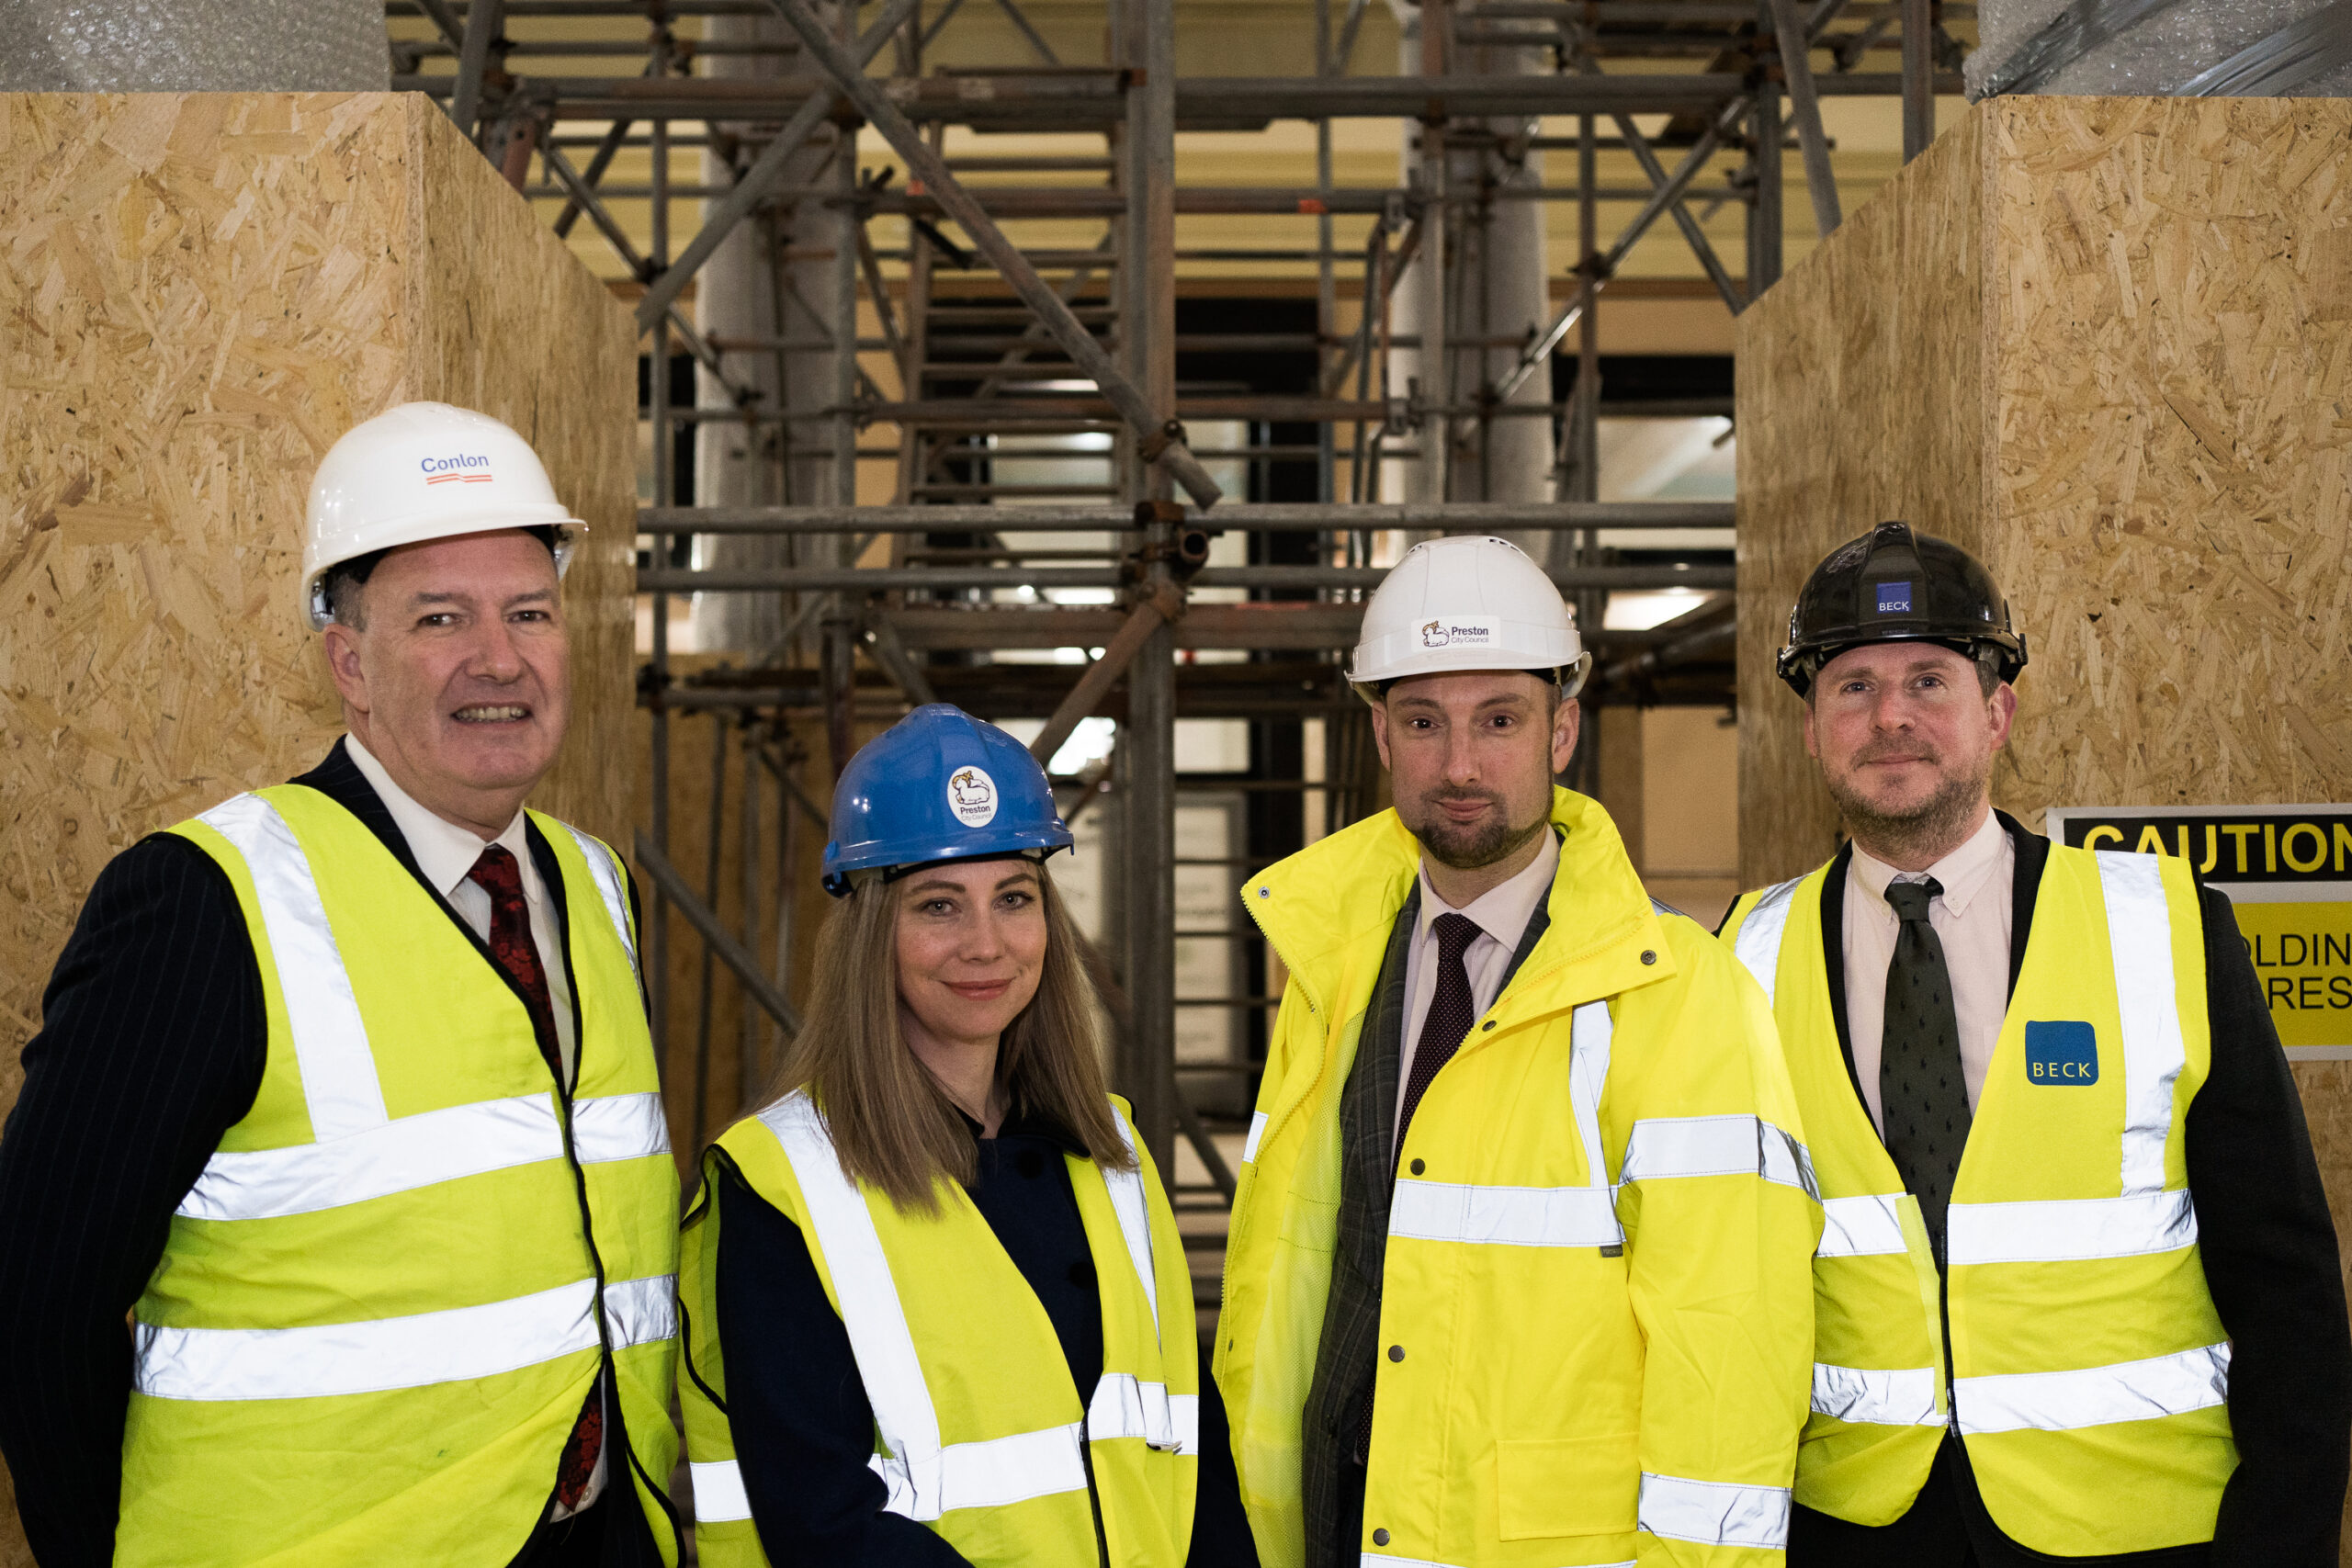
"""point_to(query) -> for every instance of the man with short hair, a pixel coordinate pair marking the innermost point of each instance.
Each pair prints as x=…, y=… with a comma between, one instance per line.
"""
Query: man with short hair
x=2018, y=1062
x=1517, y=1269
x=345, y=1095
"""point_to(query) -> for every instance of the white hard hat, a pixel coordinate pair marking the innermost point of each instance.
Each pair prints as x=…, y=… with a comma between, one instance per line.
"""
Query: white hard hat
x=1466, y=603
x=423, y=471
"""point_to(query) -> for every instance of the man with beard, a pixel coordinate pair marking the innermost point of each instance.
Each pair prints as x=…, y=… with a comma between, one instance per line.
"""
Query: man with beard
x=1518, y=1275
x=2018, y=1062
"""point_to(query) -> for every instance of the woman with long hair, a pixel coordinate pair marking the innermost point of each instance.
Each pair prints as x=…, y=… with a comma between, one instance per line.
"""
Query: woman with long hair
x=935, y=1310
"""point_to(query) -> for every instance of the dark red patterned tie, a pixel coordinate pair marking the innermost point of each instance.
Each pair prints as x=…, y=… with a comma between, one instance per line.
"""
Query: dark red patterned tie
x=1452, y=1012
x=511, y=947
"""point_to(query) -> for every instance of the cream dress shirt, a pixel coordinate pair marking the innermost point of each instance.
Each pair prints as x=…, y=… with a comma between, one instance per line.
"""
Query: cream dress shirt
x=1502, y=913
x=1970, y=919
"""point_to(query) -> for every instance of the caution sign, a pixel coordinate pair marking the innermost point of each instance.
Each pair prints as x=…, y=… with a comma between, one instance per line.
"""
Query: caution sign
x=2288, y=871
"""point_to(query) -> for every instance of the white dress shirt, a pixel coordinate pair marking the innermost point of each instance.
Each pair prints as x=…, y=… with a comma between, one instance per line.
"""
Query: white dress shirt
x=1971, y=918
x=447, y=853
x=1501, y=914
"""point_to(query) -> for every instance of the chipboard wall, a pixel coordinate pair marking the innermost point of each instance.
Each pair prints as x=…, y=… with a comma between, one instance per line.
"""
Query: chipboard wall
x=203, y=291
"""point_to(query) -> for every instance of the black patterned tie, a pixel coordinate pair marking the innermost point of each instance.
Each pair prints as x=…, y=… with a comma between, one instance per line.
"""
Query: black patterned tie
x=1922, y=1090
x=1452, y=1012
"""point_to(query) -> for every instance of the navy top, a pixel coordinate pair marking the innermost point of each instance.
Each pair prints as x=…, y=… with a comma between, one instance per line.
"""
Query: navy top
x=802, y=1426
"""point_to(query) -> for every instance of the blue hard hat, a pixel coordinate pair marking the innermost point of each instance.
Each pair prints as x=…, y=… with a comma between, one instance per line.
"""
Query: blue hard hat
x=939, y=784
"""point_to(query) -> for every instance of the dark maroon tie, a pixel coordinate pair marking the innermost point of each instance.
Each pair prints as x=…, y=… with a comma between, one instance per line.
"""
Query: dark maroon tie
x=511, y=947
x=1452, y=1012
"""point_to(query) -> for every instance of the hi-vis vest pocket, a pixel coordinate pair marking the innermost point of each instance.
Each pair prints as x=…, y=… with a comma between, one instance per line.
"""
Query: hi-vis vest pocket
x=1556, y=1486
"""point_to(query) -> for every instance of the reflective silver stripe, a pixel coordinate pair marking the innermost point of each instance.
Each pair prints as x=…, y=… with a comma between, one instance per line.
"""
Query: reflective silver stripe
x=396, y=1156
x=879, y=1338
x=417, y=1151
x=1716, y=1145
x=1125, y=1407
x=1591, y=1032
x=2057, y=1230
x=339, y=1083
x=1715, y=1512
x=641, y=1312
x=1758, y=945
x=1129, y=1203
x=2139, y=931
x=1257, y=1130
x=1868, y=1397
x=2095, y=1396
x=618, y=1126
x=327, y=1360
x=720, y=1497
x=1503, y=1216
x=994, y=1473
x=1867, y=1226
x=606, y=871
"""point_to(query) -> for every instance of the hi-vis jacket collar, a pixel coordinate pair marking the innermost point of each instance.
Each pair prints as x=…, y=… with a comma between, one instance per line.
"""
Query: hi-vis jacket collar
x=1333, y=895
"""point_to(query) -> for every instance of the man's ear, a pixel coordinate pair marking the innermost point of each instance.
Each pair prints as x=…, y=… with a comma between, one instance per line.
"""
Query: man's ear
x=2003, y=704
x=1565, y=723
x=1812, y=746
x=341, y=646
x=1380, y=731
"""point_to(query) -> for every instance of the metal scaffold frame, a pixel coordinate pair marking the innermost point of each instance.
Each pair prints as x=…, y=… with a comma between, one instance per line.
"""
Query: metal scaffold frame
x=1085, y=342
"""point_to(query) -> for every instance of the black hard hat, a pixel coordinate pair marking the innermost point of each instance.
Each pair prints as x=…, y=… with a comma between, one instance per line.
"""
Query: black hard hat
x=1894, y=585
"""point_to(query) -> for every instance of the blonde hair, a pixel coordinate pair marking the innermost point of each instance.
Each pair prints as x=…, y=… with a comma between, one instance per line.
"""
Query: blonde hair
x=892, y=1126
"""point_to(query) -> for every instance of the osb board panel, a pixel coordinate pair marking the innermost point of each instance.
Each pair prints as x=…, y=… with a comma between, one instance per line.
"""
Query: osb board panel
x=1858, y=397
x=2171, y=348
x=2151, y=452
x=202, y=292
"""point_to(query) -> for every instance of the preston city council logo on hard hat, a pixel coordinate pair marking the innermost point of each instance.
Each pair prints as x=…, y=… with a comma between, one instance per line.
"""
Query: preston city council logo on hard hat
x=971, y=795
x=1445, y=634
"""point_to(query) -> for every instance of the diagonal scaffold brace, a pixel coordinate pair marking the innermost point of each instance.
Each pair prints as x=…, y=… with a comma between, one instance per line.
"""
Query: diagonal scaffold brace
x=1161, y=437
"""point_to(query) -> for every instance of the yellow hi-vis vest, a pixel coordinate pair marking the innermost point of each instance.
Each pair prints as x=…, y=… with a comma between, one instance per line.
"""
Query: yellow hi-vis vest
x=383, y=1303
x=979, y=1432
x=1596, y=1314
x=2088, y=1366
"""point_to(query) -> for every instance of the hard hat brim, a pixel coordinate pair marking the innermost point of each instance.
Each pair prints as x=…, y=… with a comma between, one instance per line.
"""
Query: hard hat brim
x=887, y=856
x=419, y=529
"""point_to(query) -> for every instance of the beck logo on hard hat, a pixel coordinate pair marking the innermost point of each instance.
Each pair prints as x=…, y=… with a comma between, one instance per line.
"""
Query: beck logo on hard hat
x=424, y=471
x=1466, y=603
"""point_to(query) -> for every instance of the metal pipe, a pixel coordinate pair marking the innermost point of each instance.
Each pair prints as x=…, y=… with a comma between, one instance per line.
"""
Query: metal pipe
x=1001, y=580
x=1918, y=77
x=1796, y=65
x=667, y=883
x=753, y=187
x=1161, y=437
x=1250, y=516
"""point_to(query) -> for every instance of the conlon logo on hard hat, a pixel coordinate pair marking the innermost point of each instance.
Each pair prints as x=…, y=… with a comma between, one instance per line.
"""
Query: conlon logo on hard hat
x=1457, y=634
x=465, y=468
x=971, y=795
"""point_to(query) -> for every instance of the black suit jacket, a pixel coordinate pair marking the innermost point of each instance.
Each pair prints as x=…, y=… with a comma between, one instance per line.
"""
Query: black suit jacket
x=2269, y=1252
x=152, y=1046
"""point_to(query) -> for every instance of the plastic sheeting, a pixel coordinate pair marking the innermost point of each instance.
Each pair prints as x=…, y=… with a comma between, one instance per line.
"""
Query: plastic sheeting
x=169, y=46
x=2163, y=47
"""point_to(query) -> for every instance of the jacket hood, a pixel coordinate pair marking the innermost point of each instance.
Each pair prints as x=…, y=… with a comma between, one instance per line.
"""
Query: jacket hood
x=1325, y=902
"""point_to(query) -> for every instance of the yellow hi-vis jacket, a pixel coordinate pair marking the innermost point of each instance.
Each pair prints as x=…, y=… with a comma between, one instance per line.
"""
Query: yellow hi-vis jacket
x=979, y=1432
x=2088, y=1368
x=383, y=1305
x=1599, y=1240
